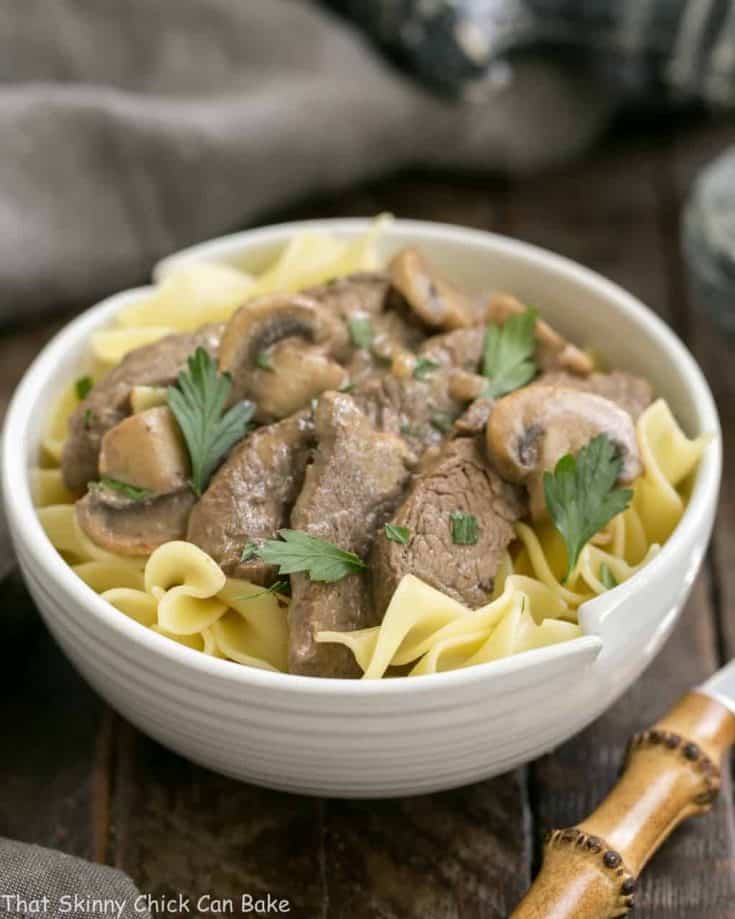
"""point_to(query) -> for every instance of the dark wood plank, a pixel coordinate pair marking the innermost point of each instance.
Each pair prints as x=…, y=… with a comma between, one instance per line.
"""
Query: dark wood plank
x=617, y=213
x=473, y=201
x=179, y=829
x=51, y=719
x=459, y=853
x=602, y=212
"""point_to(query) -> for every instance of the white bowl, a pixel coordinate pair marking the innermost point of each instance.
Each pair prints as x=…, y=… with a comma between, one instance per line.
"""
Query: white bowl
x=393, y=737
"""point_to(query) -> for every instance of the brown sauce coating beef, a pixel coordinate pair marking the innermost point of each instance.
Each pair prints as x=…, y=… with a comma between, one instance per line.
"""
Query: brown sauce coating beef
x=422, y=411
x=369, y=294
x=353, y=486
x=459, y=479
x=109, y=401
x=251, y=496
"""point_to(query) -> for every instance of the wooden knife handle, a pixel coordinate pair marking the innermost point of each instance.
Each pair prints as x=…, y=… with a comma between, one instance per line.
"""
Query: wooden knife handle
x=671, y=772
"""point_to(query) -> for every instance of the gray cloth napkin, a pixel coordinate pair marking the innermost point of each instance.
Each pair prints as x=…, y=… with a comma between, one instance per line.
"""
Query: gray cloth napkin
x=38, y=882
x=132, y=129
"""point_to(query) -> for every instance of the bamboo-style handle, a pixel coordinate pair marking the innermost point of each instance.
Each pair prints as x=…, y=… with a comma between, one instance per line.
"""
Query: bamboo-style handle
x=671, y=772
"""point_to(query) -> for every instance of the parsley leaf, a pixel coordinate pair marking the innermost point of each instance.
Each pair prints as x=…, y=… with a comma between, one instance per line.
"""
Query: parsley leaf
x=508, y=359
x=83, y=386
x=88, y=419
x=263, y=360
x=361, y=331
x=249, y=552
x=581, y=494
x=464, y=529
x=130, y=491
x=442, y=421
x=397, y=534
x=424, y=367
x=607, y=578
x=198, y=401
x=321, y=560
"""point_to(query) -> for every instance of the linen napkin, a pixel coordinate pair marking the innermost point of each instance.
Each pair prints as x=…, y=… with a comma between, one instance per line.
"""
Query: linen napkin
x=39, y=882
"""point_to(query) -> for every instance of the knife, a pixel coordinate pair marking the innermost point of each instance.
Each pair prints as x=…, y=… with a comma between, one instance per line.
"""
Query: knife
x=671, y=772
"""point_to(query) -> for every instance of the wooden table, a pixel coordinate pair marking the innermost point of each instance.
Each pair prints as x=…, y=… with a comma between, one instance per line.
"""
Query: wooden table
x=75, y=776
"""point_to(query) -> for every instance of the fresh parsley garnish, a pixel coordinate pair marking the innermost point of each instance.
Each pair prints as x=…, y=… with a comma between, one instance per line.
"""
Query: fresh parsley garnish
x=465, y=531
x=442, y=421
x=88, y=418
x=508, y=359
x=607, y=577
x=249, y=552
x=263, y=360
x=424, y=367
x=198, y=401
x=361, y=331
x=347, y=387
x=581, y=494
x=130, y=491
x=83, y=387
x=298, y=552
x=407, y=430
x=397, y=534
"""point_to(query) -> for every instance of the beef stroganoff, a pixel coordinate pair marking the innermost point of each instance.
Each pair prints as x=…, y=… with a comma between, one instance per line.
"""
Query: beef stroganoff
x=338, y=468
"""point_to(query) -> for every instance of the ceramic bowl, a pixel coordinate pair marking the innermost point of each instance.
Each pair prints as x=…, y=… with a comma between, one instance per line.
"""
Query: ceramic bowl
x=401, y=736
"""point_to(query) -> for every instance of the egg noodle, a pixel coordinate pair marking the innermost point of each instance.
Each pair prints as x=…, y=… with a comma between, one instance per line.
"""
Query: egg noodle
x=180, y=592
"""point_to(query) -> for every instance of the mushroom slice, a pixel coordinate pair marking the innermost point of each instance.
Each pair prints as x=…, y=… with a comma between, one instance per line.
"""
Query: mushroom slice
x=146, y=450
x=129, y=527
x=297, y=372
x=532, y=428
x=553, y=352
x=437, y=302
x=259, y=325
x=464, y=386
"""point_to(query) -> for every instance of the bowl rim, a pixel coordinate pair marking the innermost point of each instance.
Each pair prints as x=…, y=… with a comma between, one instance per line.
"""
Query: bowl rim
x=26, y=528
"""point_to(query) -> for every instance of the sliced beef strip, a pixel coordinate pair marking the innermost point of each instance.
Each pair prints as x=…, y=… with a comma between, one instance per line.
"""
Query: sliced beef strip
x=353, y=486
x=460, y=479
x=108, y=403
x=627, y=390
x=422, y=411
x=251, y=496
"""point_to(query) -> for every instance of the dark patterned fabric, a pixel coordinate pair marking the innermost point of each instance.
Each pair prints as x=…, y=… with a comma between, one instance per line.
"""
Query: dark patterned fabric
x=684, y=49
